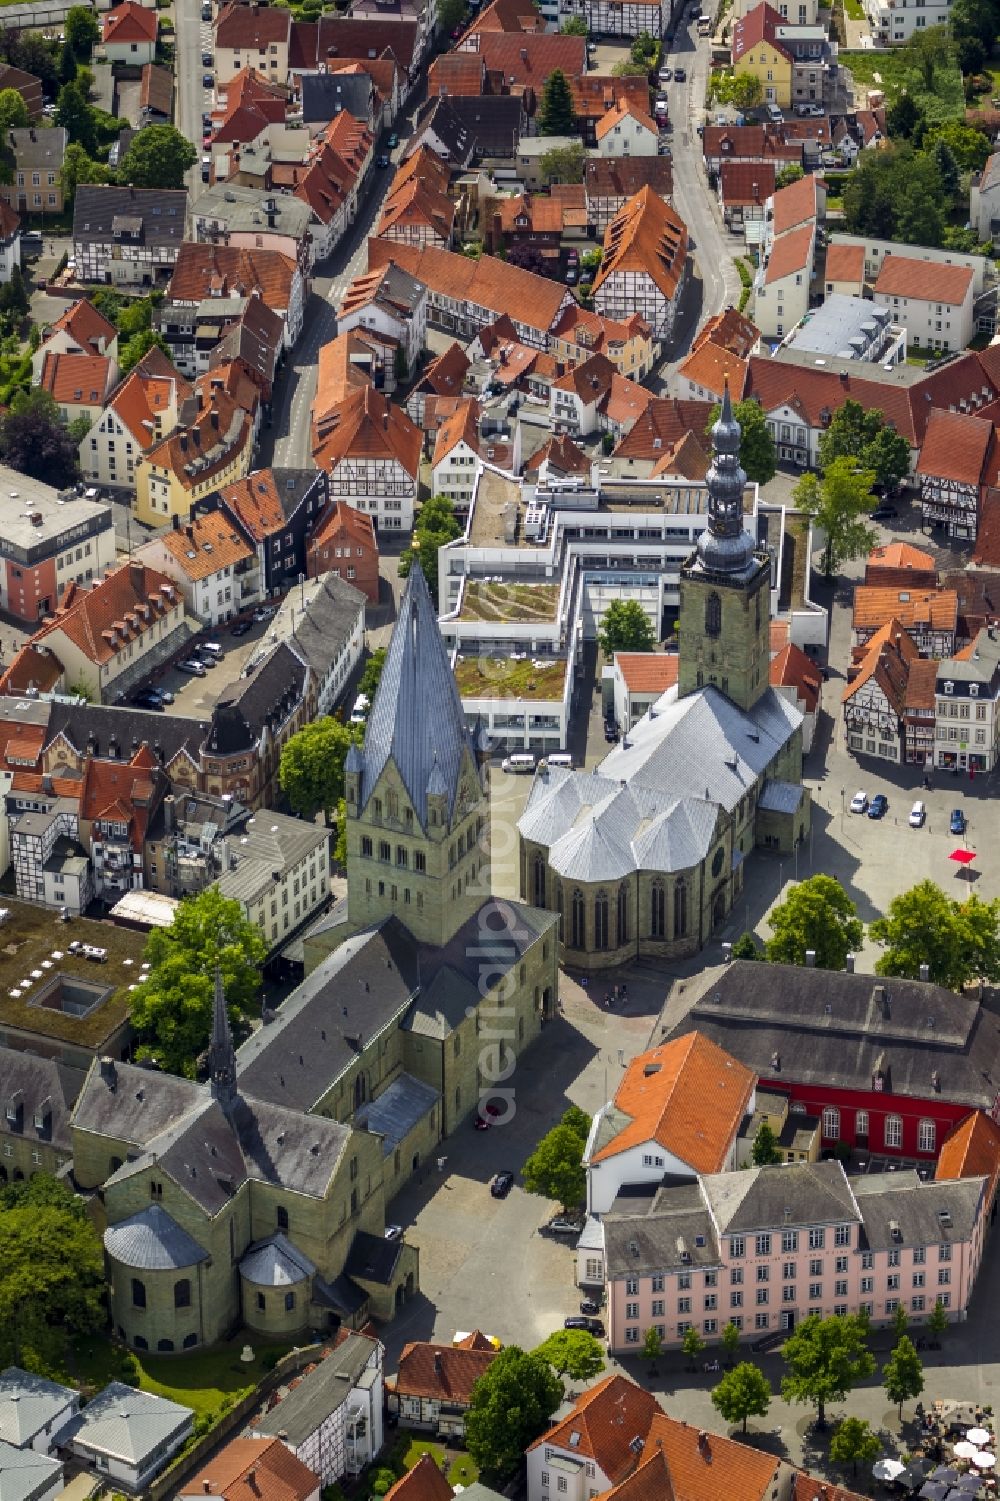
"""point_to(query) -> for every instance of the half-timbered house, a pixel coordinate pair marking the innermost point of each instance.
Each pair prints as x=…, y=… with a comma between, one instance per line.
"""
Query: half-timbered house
x=954, y=459
x=929, y=616
x=372, y=456
x=875, y=699
x=127, y=236
x=645, y=263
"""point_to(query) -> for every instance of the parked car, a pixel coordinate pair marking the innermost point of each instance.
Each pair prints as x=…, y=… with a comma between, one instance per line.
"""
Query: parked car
x=206, y=59
x=196, y=669
x=382, y=160
x=241, y=628
x=393, y=141
x=481, y=1122
x=680, y=76
x=581, y=1321
x=661, y=106
x=917, y=815
x=665, y=75
x=145, y=699
x=501, y=1184
x=165, y=694
x=884, y=513
x=393, y=1232
x=879, y=804
x=207, y=81
x=859, y=802
x=263, y=612
x=956, y=824
x=808, y=109
x=562, y=1225
x=210, y=649
x=588, y=1305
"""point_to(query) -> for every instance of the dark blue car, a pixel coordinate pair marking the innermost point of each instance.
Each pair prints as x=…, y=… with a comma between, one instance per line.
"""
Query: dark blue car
x=957, y=824
x=877, y=807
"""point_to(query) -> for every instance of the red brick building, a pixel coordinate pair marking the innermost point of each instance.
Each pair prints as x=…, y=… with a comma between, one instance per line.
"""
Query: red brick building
x=344, y=543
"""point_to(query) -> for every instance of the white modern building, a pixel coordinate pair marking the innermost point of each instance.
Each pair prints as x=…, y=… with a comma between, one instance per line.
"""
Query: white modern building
x=332, y=1419
x=278, y=870
x=128, y=1436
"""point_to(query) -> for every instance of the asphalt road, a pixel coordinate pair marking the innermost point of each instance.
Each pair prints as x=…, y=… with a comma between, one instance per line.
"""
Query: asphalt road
x=191, y=97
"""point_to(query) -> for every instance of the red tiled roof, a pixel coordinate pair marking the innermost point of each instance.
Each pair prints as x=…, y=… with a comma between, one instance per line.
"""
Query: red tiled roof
x=955, y=446
x=649, y=1482
x=369, y=426
x=488, y=282
x=816, y=394
x=791, y=668
x=936, y=609
x=129, y=22
x=664, y=423
x=897, y=555
x=986, y=553
x=456, y=73
x=206, y=544
x=705, y=1466
x=423, y=1483
x=89, y=328
x=926, y=281
x=790, y=253
x=561, y=454
x=648, y=671
x=624, y=108
x=796, y=204
x=256, y=504
x=530, y=58
x=144, y=396
x=746, y=183
x=758, y=25
x=445, y=374
x=253, y=1469
x=757, y=141
x=254, y=26
x=103, y=620
x=76, y=379
x=416, y=203
x=713, y=368
x=846, y=263
x=688, y=459
x=446, y=1373
x=203, y=271
x=602, y=1425
x=971, y=1150
x=342, y=522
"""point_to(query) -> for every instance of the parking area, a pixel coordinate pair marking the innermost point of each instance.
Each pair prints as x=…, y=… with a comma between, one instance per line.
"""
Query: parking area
x=195, y=697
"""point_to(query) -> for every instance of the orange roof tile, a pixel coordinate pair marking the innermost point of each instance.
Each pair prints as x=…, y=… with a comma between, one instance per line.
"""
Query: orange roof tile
x=663, y=424
x=790, y=253
x=129, y=22
x=462, y=73
x=926, y=281
x=805, y=1488
x=649, y=1482
x=529, y=59
x=955, y=446
x=256, y=504
x=76, y=379
x=887, y=658
x=713, y=369
x=206, y=544
x=415, y=203
x=971, y=1150
x=488, y=282
x=203, y=271
x=648, y=671
x=987, y=549
x=507, y=15
x=899, y=555
x=423, y=1483
x=645, y=235
x=778, y=634
x=29, y=669
x=341, y=521
x=730, y=330
x=687, y=459
x=591, y=333
x=242, y=26
x=758, y=25
x=688, y=1095
x=89, y=328
x=445, y=1372
x=705, y=1466
x=874, y=605
x=621, y=110
x=253, y=1469
x=426, y=165
x=206, y=446
x=143, y=398
x=461, y=426
x=846, y=263
x=561, y=454
x=921, y=684
x=345, y=365
x=446, y=374
x=796, y=204
x=602, y=1425
x=791, y=668
x=23, y=741
x=369, y=426
x=119, y=610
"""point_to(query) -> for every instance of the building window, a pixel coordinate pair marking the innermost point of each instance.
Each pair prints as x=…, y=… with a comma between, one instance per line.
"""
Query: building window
x=831, y=1123
x=182, y=1293
x=893, y=1131
x=817, y=1237
x=539, y=872
x=737, y=1246
x=789, y=1241
x=601, y=920
x=926, y=1136
x=680, y=910
x=289, y=1302
x=713, y=615
x=763, y=1243
x=577, y=910
x=282, y=1217
x=622, y=914
x=657, y=911
x=842, y=1235
x=138, y=1293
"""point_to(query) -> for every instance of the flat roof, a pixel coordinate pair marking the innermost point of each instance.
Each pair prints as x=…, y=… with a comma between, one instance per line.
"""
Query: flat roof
x=22, y=497
x=830, y=328
x=150, y=909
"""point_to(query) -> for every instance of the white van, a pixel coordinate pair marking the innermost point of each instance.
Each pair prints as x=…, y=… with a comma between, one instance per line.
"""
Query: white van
x=561, y=758
x=774, y=113
x=360, y=711
x=521, y=762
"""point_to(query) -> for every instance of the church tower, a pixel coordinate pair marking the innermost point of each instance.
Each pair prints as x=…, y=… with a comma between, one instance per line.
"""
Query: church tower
x=725, y=586
x=416, y=792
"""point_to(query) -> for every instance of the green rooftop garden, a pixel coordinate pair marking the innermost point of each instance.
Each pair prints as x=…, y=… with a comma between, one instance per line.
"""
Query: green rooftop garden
x=502, y=677
x=517, y=603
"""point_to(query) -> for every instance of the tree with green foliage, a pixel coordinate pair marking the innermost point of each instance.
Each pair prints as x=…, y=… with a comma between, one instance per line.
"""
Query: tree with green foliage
x=82, y=31
x=555, y=1168
x=625, y=626
x=590, y=260
x=13, y=111
x=14, y=300
x=854, y=1442
x=958, y=941
x=897, y=194
x=863, y=436
x=78, y=168
x=903, y=116
x=746, y=947
x=577, y=1120
x=976, y=18
x=435, y=526
x=136, y=348
x=816, y=915
x=652, y=1345
x=839, y=503
x=792, y=173
x=826, y=1359
x=372, y=675
x=574, y=26
x=451, y=13
x=628, y=69
x=937, y=1320
x=692, y=1344
x=311, y=770
x=764, y=1152
x=744, y=1392
x=573, y=1353
x=563, y=164
x=903, y=1373
x=944, y=160
x=969, y=147
x=511, y=1405
x=731, y=1340
x=757, y=452
x=77, y=118
x=900, y=1320
x=51, y=1274
x=744, y=91
x=172, y=1007
x=157, y=157
x=971, y=53
x=556, y=117
x=34, y=440
x=68, y=65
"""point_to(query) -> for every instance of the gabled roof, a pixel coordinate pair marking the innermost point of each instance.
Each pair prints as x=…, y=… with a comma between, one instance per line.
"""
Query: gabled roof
x=370, y=426
x=152, y=390
x=203, y=271
x=758, y=25
x=86, y=326
x=757, y=141
x=845, y=263
x=746, y=183
x=791, y=668
x=898, y=555
x=791, y=253
x=445, y=375
x=935, y=609
x=955, y=447
x=488, y=282
x=423, y=1483
x=253, y=1469
x=129, y=22
x=688, y=1096
x=925, y=281
x=561, y=455
x=664, y=422
x=623, y=176
x=972, y=1150
x=602, y=1425
x=687, y=459
x=621, y=110
x=76, y=379
x=645, y=235
x=343, y=521
x=797, y=204
x=462, y=426
x=417, y=719
x=415, y=202
x=444, y=1373
x=205, y=545
x=506, y=15
x=650, y=1481
x=265, y=500
x=115, y=612
x=243, y=26
x=714, y=368
x=456, y=73
x=706, y=1466
x=529, y=58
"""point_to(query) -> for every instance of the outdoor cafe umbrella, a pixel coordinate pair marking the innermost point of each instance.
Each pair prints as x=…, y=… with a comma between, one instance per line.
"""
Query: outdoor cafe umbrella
x=946, y=1474
x=970, y=1484
x=965, y=1448
x=962, y=858
x=978, y=1436
x=887, y=1469
x=933, y=1490
x=984, y=1460
x=915, y=1474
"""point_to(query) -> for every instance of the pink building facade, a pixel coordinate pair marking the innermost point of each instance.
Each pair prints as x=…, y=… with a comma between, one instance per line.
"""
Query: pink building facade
x=766, y=1247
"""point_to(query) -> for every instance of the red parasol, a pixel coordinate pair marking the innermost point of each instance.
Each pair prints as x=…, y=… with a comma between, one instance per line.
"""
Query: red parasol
x=962, y=857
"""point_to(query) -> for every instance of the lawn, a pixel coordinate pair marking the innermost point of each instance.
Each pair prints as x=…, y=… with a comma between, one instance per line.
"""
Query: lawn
x=208, y=1381
x=500, y=677
x=854, y=9
x=520, y=603
x=462, y=1469
x=893, y=71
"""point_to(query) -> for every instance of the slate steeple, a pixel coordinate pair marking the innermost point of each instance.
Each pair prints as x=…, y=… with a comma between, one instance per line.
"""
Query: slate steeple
x=221, y=1053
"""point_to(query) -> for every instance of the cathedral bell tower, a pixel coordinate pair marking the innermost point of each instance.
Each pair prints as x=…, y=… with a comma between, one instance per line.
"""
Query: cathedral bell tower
x=725, y=586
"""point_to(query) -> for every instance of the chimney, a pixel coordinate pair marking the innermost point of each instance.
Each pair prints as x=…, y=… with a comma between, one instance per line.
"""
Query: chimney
x=108, y=1072
x=206, y=1486
x=189, y=532
x=925, y=971
x=169, y=806
x=437, y=1362
x=881, y=998
x=849, y=964
x=810, y=958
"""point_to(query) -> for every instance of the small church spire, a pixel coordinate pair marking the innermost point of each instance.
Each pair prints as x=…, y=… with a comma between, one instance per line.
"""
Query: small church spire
x=221, y=1053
